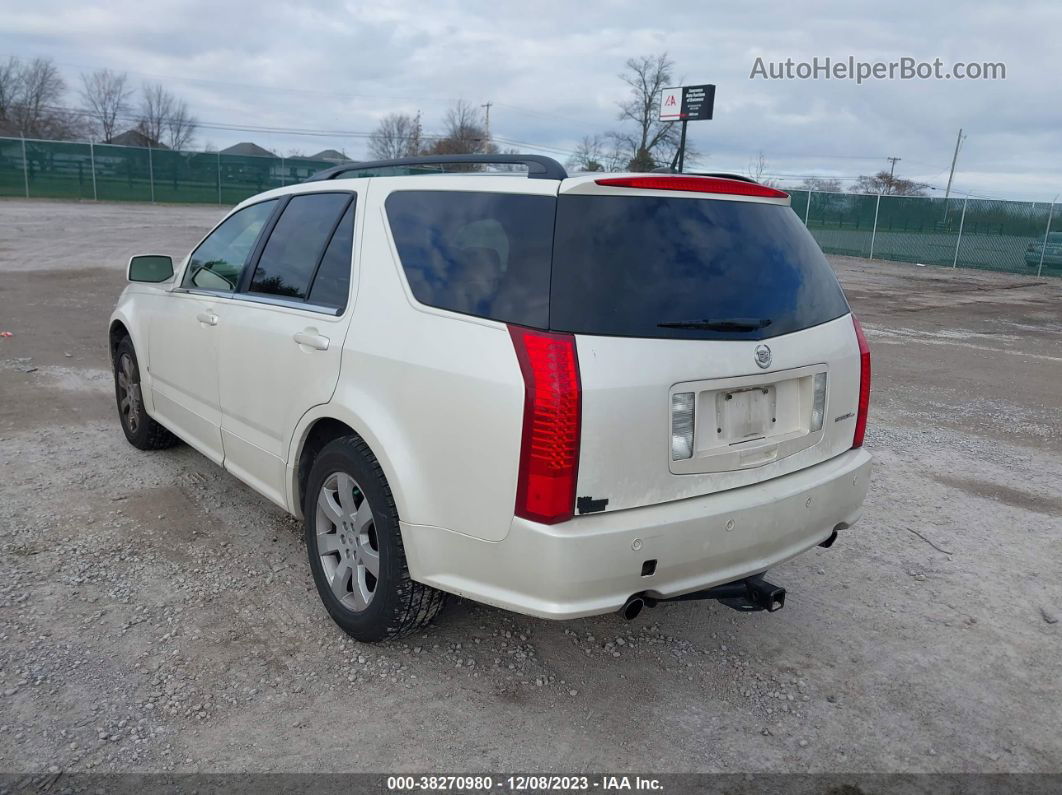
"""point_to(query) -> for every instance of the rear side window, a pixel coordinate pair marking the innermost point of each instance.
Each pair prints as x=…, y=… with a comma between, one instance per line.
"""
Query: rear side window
x=295, y=246
x=332, y=283
x=686, y=268
x=484, y=254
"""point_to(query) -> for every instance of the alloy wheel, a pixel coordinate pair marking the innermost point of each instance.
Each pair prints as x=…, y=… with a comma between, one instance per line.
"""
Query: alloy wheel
x=347, y=541
x=129, y=402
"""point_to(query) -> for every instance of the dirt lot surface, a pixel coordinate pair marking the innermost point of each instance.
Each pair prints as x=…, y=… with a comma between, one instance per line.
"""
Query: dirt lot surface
x=156, y=614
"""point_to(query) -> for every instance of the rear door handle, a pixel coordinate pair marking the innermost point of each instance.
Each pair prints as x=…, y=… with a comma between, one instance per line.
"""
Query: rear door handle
x=209, y=318
x=311, y=339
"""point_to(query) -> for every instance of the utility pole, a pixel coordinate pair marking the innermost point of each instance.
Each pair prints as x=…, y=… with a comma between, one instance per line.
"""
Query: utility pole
x=951, y=176
x=487, y=105
x=892, y=168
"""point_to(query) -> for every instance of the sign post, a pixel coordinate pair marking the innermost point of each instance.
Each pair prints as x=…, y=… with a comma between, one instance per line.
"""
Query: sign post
x=686, y=104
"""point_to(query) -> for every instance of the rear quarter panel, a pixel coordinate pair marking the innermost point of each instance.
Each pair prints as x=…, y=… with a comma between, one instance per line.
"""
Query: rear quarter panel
x=437, y=395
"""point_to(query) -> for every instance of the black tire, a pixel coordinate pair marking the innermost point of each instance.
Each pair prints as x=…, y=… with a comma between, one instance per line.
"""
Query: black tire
x=141, y=431
x=398, y=605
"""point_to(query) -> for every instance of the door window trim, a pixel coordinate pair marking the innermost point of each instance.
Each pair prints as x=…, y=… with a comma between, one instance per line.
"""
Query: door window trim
x=287, y=303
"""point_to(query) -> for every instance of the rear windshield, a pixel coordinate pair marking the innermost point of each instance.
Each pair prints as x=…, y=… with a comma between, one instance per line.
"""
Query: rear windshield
x=634, y=266
x=686, y=268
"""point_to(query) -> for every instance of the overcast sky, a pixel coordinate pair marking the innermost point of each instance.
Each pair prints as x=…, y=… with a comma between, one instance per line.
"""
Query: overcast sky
x=551, y=67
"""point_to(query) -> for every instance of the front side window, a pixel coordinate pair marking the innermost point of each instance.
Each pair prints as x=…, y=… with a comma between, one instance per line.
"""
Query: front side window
x=295, y=246
x=219, y=260
x=483, y=254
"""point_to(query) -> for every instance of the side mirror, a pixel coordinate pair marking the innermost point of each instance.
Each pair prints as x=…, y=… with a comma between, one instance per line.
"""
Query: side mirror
x=150, y=268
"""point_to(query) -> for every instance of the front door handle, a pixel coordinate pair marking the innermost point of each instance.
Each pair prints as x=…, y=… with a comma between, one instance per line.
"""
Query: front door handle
x=311, y=339
x=209, y=318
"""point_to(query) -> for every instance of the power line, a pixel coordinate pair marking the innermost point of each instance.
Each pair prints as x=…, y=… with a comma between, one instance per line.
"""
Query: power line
x=362, y=134
x=299, y=131
x=330, y=94
x=251, y=86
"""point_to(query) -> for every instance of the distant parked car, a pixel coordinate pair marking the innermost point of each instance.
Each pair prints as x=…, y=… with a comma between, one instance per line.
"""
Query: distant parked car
x=561, y=396
x=1053, y=254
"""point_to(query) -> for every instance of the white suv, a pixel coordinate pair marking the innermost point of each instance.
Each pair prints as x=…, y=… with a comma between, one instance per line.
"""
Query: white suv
x=559, y=395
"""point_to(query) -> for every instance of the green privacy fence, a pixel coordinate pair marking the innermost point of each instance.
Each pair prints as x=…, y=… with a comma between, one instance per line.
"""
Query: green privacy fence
x=989, y=234
x=969, y=233
x=66, y=170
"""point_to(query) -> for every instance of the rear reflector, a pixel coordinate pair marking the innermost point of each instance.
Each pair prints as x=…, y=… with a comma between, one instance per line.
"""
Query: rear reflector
x=733, y=187
x=549, y=449
x=864, y=385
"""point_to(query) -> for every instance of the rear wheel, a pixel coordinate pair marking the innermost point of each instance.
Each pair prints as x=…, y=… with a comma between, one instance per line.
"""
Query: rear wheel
x=141, y=431
x=355, y=547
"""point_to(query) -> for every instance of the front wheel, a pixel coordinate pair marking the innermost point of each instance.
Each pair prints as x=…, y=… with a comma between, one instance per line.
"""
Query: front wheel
x=355, y=547
x=141, y=431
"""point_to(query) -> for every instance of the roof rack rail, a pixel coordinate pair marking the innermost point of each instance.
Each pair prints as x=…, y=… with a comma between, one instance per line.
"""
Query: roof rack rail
x=538, y=166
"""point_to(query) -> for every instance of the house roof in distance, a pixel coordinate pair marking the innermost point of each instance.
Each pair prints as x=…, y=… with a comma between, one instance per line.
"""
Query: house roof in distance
x=247, y=148
x=331, y=155
x=136, y=138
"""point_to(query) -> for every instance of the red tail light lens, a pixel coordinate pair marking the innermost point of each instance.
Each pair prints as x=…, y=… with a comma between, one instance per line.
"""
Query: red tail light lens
x=549, y=449
x=864, y=385
x=734, y=187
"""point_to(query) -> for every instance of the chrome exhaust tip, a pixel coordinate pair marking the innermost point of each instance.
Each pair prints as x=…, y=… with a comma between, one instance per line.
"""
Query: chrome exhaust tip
x=632, y=608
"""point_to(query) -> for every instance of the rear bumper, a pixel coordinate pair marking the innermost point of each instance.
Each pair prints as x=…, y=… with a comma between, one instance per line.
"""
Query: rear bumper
x=591, y=565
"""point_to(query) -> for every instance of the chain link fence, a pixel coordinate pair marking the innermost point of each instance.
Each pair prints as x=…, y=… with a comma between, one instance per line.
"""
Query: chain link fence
x=1018, y=237
x=989, y=234
x=64, y=170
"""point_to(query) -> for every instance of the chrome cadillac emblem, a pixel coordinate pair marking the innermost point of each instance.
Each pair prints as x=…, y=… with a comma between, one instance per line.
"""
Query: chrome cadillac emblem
x=763, y=356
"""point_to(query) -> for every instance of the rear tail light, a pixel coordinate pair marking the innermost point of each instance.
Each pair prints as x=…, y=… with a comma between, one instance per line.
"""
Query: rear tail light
x=864, y=385
x=549, y=448
x=733, y=187
x=682, y=415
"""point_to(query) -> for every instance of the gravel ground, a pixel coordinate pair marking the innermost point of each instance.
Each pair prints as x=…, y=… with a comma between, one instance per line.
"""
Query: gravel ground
x=157, y=615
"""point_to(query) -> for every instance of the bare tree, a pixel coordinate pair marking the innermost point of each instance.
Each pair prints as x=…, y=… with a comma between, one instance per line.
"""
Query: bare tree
x=106, y=97
x=821, y=184
x=41, y=89
x=397, y=135
x=156, y=107
x=652, y=142
x=758, y=168
x=589, y=155
x=10, y=88
x=465, y=133
x=889, y=185
x=33, y=93
x=180, y=126
x=416, y=138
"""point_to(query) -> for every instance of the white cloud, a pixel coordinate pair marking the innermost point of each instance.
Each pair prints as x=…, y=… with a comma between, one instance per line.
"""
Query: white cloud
x=551, y=69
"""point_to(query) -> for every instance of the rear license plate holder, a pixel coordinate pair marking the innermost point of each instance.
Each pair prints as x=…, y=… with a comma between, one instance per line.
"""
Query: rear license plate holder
x=746, y=414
